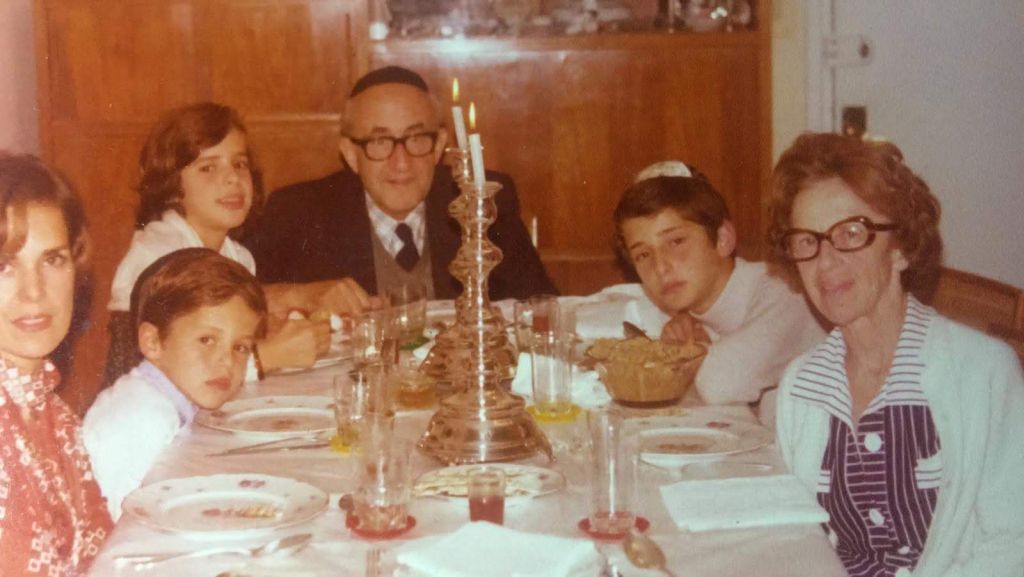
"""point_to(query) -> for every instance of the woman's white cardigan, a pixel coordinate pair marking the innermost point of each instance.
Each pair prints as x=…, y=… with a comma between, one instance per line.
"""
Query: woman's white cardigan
x=975, y=389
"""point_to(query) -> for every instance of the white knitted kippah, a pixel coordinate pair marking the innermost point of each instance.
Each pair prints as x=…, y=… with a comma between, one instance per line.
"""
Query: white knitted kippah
x=664, y=168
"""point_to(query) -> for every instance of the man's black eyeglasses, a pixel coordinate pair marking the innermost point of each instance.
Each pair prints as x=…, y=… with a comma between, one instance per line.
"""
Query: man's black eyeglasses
x=382, y=147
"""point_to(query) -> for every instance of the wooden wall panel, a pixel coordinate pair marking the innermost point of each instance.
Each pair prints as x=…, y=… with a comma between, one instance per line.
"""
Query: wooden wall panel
x=281, y=56
x=109, y=68
x=572, y=120
x=119, y=61
x=102, y=166
x=296, y=150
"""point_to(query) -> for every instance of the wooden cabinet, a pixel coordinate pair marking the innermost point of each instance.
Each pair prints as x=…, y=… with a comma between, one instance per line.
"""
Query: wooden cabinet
x=571, y=118
x=109, y=68
x=574, y=118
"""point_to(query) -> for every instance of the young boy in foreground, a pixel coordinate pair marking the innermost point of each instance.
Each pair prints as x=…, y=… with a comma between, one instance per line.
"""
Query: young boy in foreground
x=197, y=315
x=676, y=232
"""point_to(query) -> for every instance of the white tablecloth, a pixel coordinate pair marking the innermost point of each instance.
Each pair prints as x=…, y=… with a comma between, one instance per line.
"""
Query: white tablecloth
x=786, y=551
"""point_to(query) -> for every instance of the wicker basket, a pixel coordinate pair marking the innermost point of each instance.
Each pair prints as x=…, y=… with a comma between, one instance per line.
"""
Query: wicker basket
x=650, y=381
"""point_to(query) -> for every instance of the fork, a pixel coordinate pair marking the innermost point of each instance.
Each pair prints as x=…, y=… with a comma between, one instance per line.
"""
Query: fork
x=373, y=562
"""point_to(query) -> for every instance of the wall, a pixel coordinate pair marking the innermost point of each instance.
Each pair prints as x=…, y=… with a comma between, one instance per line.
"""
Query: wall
x=945, y=84
x=19, y=121
x=981, y=206
x=789, y=83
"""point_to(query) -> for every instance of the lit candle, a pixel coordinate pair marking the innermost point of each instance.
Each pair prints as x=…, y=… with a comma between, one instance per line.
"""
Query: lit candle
x=460, y=123
x=533, y=231
x=476, y=152
x=476, y=149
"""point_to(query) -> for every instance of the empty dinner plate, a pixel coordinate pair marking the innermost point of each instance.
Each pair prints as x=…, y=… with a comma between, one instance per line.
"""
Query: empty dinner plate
x=272, y=416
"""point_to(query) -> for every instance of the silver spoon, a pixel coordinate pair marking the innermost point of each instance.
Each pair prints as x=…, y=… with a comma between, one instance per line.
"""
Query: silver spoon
x=643, y=552
x=286, y=545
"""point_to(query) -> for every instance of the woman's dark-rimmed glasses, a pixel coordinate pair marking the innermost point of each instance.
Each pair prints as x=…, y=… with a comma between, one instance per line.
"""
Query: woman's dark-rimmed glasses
x=848, y=235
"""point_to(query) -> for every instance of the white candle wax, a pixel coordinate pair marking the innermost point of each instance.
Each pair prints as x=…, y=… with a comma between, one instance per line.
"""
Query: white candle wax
x=476, y=153
x=460, y=127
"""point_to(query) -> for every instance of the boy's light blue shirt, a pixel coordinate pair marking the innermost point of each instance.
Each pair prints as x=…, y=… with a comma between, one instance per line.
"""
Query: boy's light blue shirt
x=158, y=380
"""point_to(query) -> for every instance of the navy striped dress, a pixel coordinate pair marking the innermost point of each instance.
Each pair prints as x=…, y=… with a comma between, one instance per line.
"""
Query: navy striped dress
x=879, y=481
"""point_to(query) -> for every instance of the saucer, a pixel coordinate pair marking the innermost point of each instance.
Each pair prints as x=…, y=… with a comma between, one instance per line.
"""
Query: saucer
x=641, y=524
x=352, y=522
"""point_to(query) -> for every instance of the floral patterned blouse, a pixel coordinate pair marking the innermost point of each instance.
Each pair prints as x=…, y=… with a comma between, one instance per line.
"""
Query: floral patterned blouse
x=52, y=516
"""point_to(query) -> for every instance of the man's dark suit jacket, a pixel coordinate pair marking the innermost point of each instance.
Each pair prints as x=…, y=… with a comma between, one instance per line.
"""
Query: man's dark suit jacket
x=320, y=229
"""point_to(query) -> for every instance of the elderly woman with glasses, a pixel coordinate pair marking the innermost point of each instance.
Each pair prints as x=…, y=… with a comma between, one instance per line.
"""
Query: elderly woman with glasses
x=908, y=426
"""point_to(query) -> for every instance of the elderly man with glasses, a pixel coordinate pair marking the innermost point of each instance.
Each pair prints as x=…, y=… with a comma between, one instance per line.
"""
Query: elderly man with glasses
x=384, y=221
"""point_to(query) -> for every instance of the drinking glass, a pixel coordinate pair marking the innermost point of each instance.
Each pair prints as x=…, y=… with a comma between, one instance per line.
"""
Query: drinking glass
x=382, y=496
x=358, y=397
x=374, y=339
x=551, y=363
x=351, y=404
x=415, y=389
x=536, y=314
x=611, y=473
x=486, y=492
x=408, y=304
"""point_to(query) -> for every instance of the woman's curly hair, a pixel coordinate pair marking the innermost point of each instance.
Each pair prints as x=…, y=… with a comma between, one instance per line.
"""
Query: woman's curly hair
x=875, y=171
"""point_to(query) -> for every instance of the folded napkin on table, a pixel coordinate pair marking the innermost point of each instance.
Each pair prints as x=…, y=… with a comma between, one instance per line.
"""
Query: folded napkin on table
x=741, y=502
x=601, y=314
x=483, y=548
x=587, y=389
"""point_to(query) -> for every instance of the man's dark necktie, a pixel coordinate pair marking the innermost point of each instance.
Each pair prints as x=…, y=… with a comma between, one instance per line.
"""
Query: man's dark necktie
x=408, y=255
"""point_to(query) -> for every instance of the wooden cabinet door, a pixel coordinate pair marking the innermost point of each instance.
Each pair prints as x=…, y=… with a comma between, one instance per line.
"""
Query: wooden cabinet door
x=109, y=68
x=574, y=119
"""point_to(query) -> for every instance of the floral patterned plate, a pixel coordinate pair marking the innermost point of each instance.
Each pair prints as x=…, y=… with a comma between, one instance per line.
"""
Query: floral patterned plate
x=673, y=442
x=278, y=416
x=220, y=504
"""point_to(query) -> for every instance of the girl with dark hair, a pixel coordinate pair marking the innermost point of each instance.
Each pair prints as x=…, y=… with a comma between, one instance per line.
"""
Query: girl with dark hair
x=199, y=187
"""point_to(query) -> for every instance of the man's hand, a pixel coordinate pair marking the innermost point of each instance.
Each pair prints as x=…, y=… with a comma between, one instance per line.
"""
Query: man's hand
x=683, y=328
x=294, y=343
x=341, y=296
x=344, y=296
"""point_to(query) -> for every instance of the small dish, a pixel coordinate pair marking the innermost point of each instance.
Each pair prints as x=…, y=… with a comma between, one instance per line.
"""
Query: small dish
x=352, y=524
x=520, y=481
x=640, y=524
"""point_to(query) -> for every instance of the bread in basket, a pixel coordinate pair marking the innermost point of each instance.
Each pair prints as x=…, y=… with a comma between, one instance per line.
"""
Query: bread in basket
x=645, y=373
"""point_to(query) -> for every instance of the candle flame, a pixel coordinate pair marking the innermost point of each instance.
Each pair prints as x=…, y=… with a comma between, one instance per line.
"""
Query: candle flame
x=472, y=116
x=455, y=91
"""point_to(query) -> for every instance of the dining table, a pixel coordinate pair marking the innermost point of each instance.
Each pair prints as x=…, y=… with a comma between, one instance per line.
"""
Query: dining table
x=783, y=550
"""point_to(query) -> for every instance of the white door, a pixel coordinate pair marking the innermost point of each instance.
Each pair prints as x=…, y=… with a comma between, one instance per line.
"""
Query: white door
x=944, y=81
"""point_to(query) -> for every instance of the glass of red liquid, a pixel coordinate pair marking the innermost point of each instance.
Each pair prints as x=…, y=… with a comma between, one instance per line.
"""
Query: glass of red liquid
x=538, y=314
x=486, y=493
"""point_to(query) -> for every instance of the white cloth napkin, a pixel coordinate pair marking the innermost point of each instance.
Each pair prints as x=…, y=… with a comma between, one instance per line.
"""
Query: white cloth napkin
x=587, y=389
x=741, y=502
x=486, y=549
x=600, y=315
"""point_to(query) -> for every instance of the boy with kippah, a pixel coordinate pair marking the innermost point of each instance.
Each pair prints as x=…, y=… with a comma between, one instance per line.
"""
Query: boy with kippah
x=674, y=228
x=196, y=316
